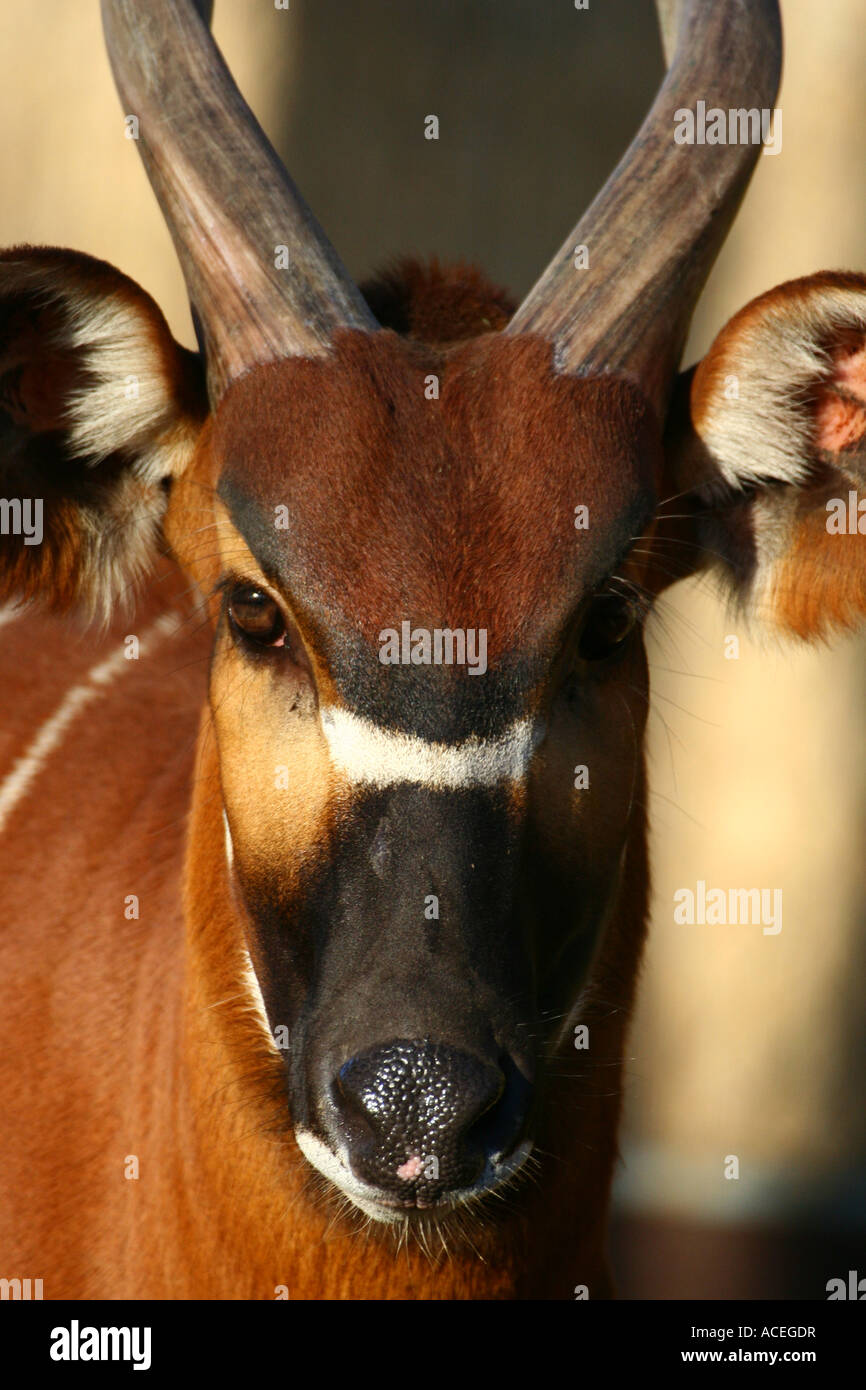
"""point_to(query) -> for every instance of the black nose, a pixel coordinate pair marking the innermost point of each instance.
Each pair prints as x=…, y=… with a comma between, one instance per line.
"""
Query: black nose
x=421, y=1119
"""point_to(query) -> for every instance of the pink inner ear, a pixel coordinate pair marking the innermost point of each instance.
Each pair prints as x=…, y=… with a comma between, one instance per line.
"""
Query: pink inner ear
x=840, y=415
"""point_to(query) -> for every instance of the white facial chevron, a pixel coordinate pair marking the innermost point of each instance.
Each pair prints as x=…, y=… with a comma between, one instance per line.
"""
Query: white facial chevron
x=376, y=757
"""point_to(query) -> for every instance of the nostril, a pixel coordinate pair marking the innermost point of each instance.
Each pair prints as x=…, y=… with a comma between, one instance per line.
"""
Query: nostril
x=496, y=1131
x=357, y=1102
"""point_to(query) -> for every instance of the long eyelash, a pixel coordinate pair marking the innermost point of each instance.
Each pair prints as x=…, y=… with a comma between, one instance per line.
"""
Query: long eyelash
x=641, y=598
x=226, y=581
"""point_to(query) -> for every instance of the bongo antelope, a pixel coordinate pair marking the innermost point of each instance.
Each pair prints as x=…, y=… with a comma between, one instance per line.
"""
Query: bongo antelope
x=297, y=942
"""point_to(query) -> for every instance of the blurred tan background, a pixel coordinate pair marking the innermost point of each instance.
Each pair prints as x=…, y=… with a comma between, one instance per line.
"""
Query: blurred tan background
x=746, y=1044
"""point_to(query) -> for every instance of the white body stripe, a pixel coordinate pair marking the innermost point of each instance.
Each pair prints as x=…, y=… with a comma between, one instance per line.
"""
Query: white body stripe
x=26, y=769
x=253, y=990
x=249, y=978
x=376, y=757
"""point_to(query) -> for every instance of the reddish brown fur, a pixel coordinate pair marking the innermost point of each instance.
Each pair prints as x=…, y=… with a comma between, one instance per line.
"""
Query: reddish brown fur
x=439, y=482
x=437, y=304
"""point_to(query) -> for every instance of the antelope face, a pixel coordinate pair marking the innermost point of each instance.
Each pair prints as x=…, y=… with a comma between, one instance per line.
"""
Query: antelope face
x=425, y=850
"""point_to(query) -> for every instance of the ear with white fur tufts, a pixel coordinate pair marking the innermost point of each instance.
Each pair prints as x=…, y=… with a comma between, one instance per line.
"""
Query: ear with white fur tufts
x=766, y=446
x=99, y=408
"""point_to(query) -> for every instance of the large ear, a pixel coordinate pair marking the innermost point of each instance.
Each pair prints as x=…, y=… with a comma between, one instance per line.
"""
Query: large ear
x=99, y=408
x=766, y=446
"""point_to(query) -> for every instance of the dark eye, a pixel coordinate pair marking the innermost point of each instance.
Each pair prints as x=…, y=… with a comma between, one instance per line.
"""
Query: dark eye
x=610, y=620
x=257, y=617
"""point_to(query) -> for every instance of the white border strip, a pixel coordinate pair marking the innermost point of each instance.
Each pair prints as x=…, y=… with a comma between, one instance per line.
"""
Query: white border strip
x=376, y=757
